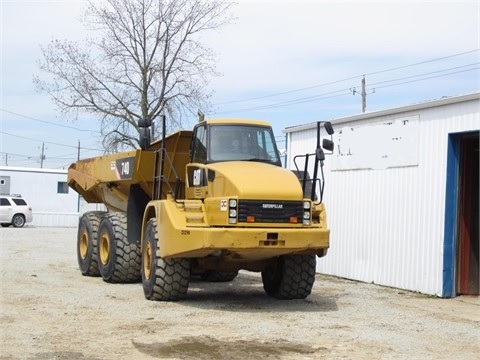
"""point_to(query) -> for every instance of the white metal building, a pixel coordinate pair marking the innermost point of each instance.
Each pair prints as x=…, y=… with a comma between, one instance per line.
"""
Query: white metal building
x=402, y=195
x=46, y=191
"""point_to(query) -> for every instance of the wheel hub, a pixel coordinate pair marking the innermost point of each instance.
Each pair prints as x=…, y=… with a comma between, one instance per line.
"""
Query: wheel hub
x=83, y=245
x=147, y=260
x=104, y=248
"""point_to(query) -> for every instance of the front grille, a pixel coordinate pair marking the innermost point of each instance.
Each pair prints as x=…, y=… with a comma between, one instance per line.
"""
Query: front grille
x=270, y=211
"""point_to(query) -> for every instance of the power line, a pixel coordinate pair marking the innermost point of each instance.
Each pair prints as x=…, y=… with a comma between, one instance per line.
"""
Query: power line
x=46, y=142
x=324, y=96
x=427, y=78
x=343, y=92
x=424, y=62
x=346, y=79
x=48, y=122
x=14, y=159
x=420, y=77
x=287, y=92
x=434, y=72
x=13, y=154
x=58, y=157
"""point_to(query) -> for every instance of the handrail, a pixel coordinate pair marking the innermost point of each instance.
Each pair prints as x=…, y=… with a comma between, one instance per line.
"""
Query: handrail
x=304, y=180
x=160, y=179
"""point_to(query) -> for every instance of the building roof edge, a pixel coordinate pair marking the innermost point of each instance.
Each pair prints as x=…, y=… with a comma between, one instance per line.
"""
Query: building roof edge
x=446, y=100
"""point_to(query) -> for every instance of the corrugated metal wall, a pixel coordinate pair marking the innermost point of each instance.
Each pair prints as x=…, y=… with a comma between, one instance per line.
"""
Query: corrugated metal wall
x=387, y=224
x=54, y=219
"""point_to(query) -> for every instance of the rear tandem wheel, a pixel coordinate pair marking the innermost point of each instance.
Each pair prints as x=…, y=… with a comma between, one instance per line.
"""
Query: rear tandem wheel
x=87, y=254
x=118, y=260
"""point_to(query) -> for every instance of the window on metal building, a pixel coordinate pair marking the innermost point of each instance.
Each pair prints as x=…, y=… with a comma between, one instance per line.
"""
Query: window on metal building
x=62, y=187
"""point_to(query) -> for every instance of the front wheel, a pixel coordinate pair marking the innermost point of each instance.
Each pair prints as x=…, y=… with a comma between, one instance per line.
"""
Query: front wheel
x=162, y=279
x=290, y=277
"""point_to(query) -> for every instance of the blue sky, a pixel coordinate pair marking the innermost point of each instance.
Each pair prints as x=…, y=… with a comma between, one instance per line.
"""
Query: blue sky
x=287, y=62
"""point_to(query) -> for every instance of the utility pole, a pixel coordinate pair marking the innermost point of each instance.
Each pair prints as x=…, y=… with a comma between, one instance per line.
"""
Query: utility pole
x=42, y=157
x=78, y=151
x=364, y=95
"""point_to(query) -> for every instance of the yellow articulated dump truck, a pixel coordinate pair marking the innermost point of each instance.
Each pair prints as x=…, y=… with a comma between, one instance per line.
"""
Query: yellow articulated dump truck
x=206, y=203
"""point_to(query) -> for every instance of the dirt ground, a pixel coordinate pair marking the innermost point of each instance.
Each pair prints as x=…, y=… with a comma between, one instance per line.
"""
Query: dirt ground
x=50, y=311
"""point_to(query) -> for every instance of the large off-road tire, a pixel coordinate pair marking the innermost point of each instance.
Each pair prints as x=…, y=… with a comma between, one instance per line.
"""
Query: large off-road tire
x=219, y=276
x=290, y=277
x=87, y=254
x=162, y=279
x=118, y=260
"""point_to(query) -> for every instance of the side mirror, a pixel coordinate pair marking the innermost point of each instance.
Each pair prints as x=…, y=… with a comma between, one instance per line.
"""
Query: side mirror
x=328, y=144
x=144, y=133
x=329, y=128
x=320, y=154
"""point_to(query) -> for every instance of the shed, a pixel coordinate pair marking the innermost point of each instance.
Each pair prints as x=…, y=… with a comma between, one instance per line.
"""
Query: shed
x=402, y=195
x=46, y=191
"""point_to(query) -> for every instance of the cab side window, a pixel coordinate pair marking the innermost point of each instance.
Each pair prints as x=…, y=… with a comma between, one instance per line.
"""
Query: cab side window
x=199, y=152
x=266, y=146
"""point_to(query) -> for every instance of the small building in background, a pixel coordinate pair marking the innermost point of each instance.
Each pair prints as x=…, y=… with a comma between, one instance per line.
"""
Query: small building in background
x=402, y=195
x=46, y=191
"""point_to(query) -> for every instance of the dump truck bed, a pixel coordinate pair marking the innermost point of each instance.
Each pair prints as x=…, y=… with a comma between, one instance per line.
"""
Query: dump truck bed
x=107, y=179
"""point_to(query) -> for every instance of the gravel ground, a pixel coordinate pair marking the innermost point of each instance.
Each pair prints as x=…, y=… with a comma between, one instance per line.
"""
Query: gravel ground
x=50, y=311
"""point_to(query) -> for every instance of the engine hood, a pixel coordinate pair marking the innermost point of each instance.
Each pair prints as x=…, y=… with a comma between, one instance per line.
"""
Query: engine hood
x=253, y=180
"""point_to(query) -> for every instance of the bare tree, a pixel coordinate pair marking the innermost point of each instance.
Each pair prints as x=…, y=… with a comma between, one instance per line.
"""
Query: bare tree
x=147, y=60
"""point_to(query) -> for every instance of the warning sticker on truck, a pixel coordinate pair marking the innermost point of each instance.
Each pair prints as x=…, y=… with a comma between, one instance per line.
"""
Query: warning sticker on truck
x=223, y=205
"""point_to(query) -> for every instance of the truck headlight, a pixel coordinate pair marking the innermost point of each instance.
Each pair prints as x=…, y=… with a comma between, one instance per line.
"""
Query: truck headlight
x=232, y=211
x=307, y=207
x=306, y=214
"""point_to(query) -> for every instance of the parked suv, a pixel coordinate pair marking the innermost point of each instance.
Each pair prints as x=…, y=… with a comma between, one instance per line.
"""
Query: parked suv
x=14, y=211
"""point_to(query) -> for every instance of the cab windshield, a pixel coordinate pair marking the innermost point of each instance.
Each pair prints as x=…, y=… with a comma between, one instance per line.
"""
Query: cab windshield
x=242, y=143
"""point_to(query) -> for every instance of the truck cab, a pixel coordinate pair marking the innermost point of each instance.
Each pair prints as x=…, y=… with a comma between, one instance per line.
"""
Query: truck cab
x=217, y=141
x=237, y=162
